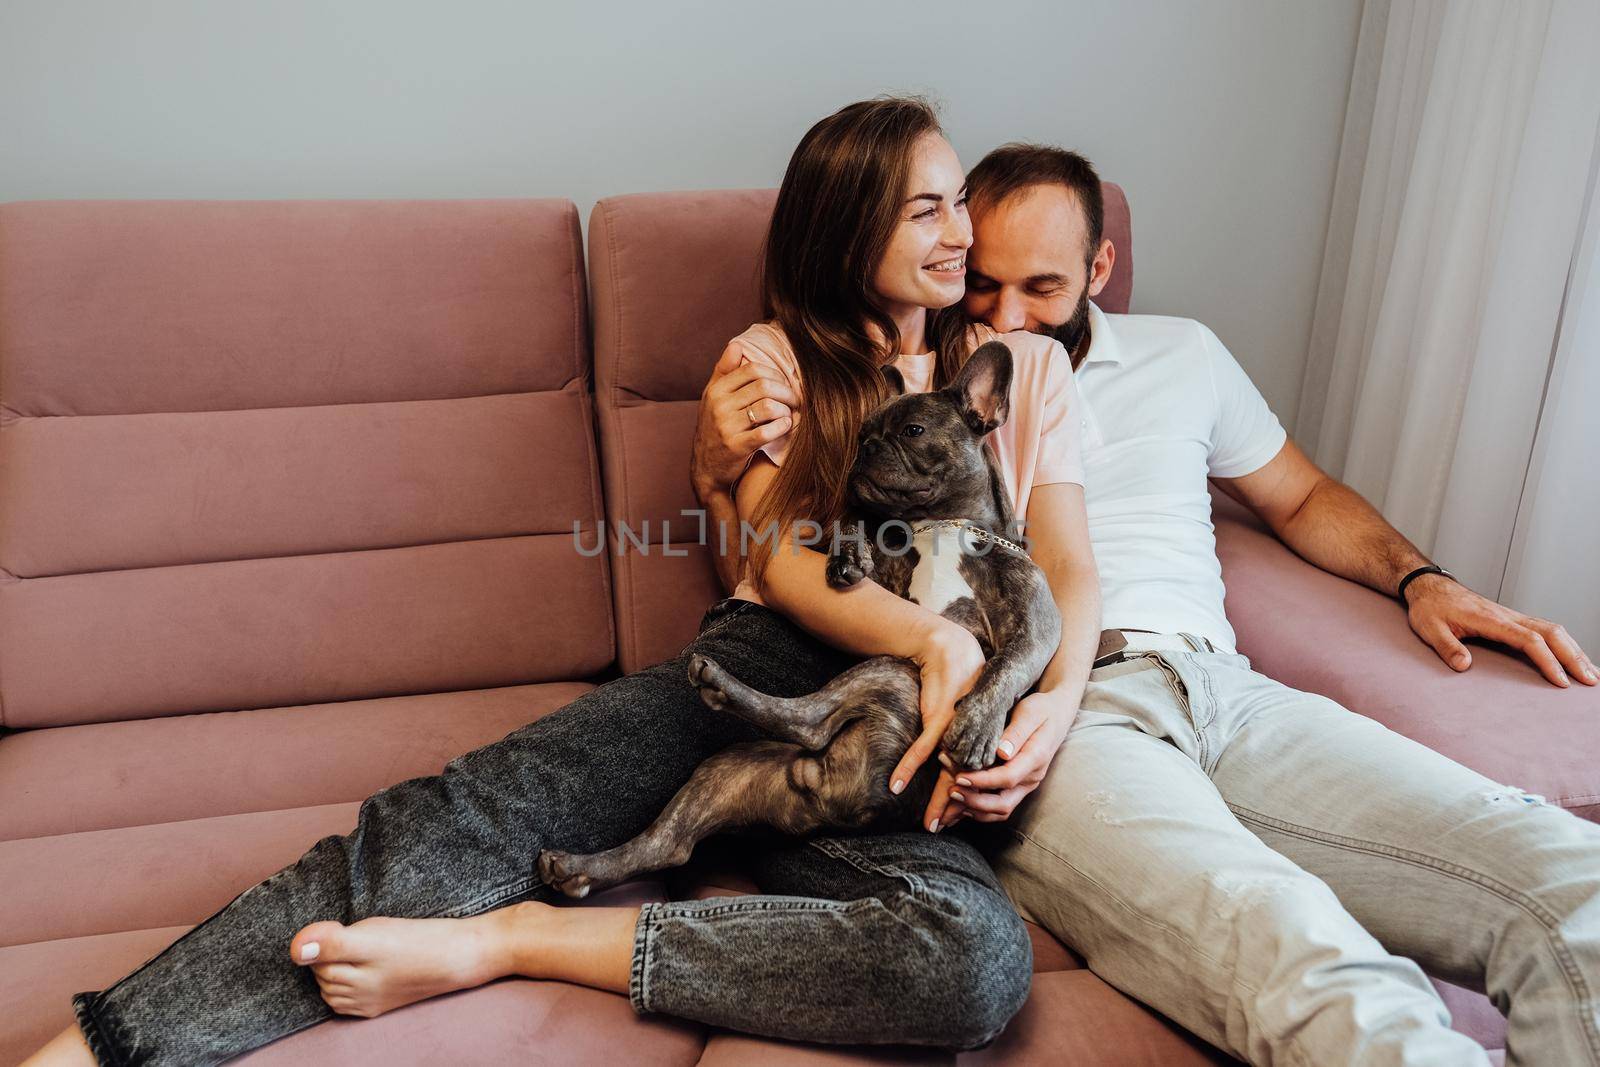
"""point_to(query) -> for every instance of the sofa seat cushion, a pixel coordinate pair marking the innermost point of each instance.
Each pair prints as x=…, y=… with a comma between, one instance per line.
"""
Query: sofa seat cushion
x=135, y=825
x=512, y=1021
x=1069, y=1017
x=1473, y=1014
x=1325, y=635
x=100, y=776
x=167, y=874
x=37, y=981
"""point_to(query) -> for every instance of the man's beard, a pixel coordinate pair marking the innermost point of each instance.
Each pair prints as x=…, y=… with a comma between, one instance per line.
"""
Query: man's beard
x=1072, y=332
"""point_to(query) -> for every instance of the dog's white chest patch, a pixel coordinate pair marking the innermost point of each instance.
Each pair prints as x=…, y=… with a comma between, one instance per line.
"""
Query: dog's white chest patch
x=936, y=580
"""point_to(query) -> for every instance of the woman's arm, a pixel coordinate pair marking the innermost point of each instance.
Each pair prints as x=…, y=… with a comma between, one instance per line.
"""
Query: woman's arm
x=1058, y=534
x=869, y=620
x=865, y=619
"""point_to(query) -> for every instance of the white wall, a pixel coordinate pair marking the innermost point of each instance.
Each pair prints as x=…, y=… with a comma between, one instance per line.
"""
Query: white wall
x=1221, y=118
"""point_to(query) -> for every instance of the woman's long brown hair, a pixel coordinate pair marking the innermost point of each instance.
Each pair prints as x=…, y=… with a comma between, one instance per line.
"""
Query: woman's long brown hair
x=837, y=209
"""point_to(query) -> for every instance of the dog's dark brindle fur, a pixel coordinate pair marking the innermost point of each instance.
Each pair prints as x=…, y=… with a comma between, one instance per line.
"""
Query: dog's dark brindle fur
x=922, y=457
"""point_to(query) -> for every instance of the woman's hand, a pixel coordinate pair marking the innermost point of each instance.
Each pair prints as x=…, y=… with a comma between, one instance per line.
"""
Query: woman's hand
x=950, y=661
x=1038, y=726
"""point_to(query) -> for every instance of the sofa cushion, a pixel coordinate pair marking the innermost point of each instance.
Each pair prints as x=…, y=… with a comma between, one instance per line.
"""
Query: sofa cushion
x=287, y=630
x=101, y=776
x=509, y=1021
x=1473, y=1014
x=123, y=826
x=550, y=1024
x=675, y=277
x=1500, y=717
x=329, y=478
x=37, y=980
x=267, y=453
x=165, y=874
x=119, y=836
x=1069, y=1017
x=123, y=306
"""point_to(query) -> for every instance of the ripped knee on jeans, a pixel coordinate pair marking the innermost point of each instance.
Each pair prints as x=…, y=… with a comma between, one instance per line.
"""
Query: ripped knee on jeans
x=1510, y=794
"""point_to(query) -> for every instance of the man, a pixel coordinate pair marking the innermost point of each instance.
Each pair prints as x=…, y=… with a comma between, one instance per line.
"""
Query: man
x=1242, y=856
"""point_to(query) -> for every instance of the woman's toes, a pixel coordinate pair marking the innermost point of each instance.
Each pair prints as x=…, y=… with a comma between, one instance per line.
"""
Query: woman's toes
x=334, y=973
x=330, y=993
x=319, y=942
x=342, y=1005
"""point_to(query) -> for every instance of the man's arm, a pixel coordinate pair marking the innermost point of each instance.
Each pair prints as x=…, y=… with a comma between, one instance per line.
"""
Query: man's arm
x=741, y=409
x=1328, y=524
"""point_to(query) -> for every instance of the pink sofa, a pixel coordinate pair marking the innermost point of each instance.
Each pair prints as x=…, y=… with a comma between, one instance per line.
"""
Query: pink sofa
x=286, y=491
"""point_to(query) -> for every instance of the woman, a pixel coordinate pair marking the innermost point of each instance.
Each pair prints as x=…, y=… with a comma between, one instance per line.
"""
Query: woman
x=902, y=938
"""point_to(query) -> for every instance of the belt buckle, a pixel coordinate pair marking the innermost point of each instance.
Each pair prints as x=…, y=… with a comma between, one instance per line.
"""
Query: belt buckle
x=1112, y=642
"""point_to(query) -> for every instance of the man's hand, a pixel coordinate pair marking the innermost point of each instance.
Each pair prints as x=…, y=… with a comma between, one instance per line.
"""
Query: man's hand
x=1327, y=523
x=1039, y=725
x=741, y=409
x=1442, y=612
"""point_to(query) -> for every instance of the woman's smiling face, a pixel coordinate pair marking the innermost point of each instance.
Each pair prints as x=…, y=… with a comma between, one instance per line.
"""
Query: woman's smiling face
x=925, y=263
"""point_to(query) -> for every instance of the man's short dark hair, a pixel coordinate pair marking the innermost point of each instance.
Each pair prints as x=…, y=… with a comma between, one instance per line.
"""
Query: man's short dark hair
x=1014, y=167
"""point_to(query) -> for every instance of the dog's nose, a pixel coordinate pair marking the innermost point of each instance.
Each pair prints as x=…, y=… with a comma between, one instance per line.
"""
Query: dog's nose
x=870, y=447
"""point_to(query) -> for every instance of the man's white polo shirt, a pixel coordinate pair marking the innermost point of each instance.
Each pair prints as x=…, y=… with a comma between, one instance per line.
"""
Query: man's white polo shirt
x=1165, y=406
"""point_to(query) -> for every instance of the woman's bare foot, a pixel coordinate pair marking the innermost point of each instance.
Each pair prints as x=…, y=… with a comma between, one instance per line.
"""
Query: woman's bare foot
x=380, y=964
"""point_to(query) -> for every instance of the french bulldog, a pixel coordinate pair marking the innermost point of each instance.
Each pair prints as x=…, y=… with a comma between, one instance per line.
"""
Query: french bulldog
x=930, y=520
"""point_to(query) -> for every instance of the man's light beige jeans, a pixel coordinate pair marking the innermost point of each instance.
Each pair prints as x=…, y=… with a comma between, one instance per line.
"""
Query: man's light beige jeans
x=1263, y=866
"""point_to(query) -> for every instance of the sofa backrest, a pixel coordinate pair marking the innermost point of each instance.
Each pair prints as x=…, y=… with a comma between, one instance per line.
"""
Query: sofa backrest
x=257, y=454
x=674, y=277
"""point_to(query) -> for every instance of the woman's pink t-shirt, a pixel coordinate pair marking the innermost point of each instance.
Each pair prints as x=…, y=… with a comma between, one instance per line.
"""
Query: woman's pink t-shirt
x=1038, y=444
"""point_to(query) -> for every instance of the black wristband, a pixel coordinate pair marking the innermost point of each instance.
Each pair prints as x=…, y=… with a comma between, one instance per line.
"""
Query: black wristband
x=1400, y=594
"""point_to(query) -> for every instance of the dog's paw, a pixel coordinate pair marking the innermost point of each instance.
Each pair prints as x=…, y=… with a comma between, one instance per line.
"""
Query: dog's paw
x=974, y=733
x=562, y=870
x=710, y=679
x=845, y=570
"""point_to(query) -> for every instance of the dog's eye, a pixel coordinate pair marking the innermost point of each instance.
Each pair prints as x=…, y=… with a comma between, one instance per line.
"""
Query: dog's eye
x=911, y=429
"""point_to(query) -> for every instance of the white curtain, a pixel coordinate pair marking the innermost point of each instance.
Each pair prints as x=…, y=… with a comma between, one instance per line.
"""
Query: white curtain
x=1450, y=343
x=1554, y=565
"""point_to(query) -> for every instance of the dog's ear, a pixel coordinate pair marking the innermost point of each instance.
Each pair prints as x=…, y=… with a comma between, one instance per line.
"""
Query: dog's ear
x=892, y=375
x=982, y=391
